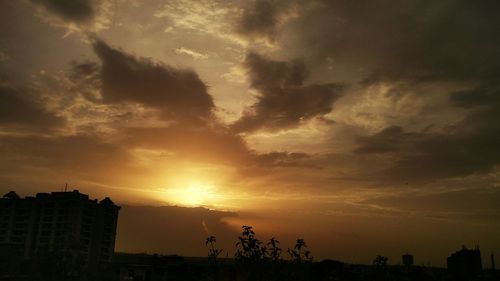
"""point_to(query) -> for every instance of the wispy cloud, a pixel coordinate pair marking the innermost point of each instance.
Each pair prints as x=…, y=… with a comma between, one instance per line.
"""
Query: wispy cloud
x=192, y=53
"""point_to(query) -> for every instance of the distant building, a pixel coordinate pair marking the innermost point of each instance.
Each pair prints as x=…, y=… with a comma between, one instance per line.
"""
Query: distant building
x=407, y=259
x=62, y=224
x=465, y=264
x=153, y=267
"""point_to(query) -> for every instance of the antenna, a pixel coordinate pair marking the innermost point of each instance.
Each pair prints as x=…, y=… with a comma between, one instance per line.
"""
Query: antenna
x=492, y=261
x=66, y=187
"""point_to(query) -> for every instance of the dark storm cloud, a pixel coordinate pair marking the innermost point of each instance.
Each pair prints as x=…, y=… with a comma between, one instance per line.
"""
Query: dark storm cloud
x=416, y=43
x=84, y=70
x=180, y=95
x=447, y=156
x=388, y=140
x=127, y=78
x=482, y=96
x=86, y=79
x=483, y=105
x=466, y=148
x=283, y=100
x=418, y=157
x=260, y=18
x=416, y=40
x=75, y=10
x=459, y=204
x=284, y=159
x=123, y=77
x=20, y=109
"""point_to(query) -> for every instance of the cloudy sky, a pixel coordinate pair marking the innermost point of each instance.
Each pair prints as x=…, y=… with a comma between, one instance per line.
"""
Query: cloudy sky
x=364, y=127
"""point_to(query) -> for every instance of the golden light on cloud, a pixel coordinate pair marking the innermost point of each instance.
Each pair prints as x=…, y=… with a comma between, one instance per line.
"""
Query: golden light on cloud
x=193, y=194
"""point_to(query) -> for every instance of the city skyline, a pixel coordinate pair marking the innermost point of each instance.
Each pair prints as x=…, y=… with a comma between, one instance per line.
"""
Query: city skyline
x=365, y=128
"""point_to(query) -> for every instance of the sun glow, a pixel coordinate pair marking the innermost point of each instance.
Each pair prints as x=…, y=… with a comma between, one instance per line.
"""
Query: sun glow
x=193, y=194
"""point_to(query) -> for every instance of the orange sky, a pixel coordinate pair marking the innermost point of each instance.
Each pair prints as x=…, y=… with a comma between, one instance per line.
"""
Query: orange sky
x=366, y=128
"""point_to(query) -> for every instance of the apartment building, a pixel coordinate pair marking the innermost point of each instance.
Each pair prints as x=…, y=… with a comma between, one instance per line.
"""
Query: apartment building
x=67, y=225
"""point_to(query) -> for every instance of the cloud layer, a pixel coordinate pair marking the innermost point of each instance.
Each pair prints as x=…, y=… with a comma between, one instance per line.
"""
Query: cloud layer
x=78, y=11
x=283, y=99
x=20, y=109
x=341, y=111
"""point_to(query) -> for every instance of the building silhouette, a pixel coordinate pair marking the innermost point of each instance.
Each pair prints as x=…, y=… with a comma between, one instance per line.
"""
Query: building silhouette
x=65, y=225
x=465, y=264
x=407, y=260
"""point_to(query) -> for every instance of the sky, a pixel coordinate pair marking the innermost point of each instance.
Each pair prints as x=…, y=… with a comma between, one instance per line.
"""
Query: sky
x=365, y=127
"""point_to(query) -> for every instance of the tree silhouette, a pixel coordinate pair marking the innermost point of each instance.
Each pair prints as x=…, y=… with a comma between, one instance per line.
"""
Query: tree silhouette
x=380, y=261
x=274, y=249
x=300, y=253
x=213, y=252
x=250, y=249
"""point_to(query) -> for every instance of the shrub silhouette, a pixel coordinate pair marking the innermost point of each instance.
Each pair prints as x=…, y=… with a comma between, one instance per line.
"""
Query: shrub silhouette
x=249, y=248
x=213, y=252
x=300, y=253
x=258, y=261
x=380, y=261
x=274, y=249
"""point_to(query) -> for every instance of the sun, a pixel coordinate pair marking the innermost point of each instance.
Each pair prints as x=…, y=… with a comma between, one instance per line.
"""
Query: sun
x=193, y=194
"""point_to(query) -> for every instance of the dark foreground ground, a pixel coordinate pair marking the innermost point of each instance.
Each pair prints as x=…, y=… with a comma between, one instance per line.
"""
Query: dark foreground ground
x=143, y=267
